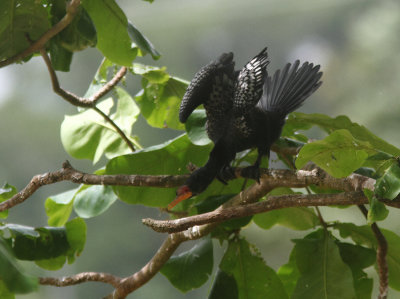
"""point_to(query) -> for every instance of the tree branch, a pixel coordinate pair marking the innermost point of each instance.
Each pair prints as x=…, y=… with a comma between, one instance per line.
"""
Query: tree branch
x=68, y=173
x=74, y=99
x=272, y=203
x=71, y=9
x=171, y=243
x=270, y=178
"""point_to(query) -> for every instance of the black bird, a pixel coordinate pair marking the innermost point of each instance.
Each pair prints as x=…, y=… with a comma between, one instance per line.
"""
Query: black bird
x=245, y=109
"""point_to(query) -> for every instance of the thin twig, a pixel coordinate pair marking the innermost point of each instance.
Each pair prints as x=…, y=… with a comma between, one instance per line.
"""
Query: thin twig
x=381, y=254
x=71, y=10
x=109, y=85
x=66, y=95
x=112, y=123
x=321, y=219
x=73, y=98
x=81, y=278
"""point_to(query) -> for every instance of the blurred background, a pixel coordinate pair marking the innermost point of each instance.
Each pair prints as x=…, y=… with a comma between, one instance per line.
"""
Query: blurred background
x=356, y=42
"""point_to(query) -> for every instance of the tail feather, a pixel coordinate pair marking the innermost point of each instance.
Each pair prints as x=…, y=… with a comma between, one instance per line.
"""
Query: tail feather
x=288, y=89
x=283, y=82
x=300, y=90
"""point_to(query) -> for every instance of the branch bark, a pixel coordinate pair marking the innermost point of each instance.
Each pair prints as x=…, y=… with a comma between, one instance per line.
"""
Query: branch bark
x=272, y=203
x=68, y=173
x=73, y=98
x=272, y=178
x=81, y=278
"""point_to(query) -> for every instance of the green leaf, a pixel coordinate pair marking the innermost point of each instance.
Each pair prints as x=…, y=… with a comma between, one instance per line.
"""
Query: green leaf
x=142, y=42
x=20, y=19
x=377, y=211
x=30, y=243
x=79, y=34
x=388, y=186
x=323, y=274
x=112, y=35
x=59, y=207
x=94, y=201
x=305, y=121
x=12, y=276
x=4, y=292
x=358, y=258
x=60, y=58
x=294, y=218
x=87, y=135
x=48, y=246
x=76, y=236
x=159, y=102
x=362, y=235
x=380, y=162
x=52, y=264
x=339, y=154
x=253, y=277
x=6, y=192
x=157, y=76
x=192, y=268
x=195, y=127
x=175, y=155
x=289, y=274
x=224, y=286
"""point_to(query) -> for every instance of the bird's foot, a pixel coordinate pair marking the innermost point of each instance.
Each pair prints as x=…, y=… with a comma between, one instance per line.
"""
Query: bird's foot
x=251, y=172
x=226, y=174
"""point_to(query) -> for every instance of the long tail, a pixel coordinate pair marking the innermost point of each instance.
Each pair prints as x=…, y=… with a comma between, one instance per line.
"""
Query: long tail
x=288, y=89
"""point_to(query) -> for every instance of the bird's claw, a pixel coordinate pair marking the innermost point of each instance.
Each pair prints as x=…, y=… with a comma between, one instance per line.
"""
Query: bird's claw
x=226, y=174
x=251, y=172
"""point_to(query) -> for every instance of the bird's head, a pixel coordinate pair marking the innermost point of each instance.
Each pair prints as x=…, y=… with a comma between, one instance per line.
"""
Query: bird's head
x=225, y=58
x=182, y=193
x=195, y=184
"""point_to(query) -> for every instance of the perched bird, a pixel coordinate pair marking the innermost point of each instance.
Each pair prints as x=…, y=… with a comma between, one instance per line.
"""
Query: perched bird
x=245, y=109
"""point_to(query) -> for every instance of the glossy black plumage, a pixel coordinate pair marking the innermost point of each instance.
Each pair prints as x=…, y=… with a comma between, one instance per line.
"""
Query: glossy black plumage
x=245, y=109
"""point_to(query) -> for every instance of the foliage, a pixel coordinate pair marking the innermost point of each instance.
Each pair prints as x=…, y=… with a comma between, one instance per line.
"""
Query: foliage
x=322, y=264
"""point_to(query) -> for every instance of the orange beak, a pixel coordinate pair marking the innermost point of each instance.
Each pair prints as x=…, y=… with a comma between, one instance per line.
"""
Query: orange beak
x=179, y=198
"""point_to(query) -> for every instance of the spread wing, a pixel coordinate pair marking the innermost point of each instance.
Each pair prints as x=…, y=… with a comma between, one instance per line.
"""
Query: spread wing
x=250, y=81
x=204, y=84
x=219, y=105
